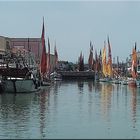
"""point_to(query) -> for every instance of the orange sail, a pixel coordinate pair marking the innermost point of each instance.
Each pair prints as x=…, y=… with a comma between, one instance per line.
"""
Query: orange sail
x=109, y=65
x=134, y=63
x=43, y=57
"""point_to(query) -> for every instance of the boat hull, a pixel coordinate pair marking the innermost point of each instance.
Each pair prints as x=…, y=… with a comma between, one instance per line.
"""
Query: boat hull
x=132, y=83
x=124, y=82
x=116, y=81
x=108, y=80
x=138, y=83
x=20, y=86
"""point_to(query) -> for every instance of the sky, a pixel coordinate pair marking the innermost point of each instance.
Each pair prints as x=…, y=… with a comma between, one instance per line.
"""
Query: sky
x=73, y=24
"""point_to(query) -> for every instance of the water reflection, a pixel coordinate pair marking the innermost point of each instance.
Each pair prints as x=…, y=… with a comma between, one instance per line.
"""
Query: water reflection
x=133, y=104
x=90, y=86
x=15, y=114
x=80, y=85
x=72, y=109
x=44, y=95
x=106, y=95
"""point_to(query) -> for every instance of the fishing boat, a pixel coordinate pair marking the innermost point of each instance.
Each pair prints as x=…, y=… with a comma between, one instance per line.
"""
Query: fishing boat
x=18, y=74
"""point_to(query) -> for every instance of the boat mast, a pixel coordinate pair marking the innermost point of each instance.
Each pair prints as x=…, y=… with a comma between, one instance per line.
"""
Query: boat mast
x=29, y=49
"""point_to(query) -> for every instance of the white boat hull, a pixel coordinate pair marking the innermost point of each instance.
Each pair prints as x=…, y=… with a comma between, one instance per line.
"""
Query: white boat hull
x=124, y=82
x=116, y=81
x=109, y=80
x=20, y=86
x=138, y=83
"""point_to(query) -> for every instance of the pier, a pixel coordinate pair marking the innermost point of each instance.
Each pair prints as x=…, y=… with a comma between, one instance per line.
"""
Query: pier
x=77, y=74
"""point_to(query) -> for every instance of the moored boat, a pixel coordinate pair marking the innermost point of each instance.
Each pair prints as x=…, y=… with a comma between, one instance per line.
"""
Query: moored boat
x=132, y=82
x=106, y=79
x=16, y=80
x=124, y=82
x=20, y=85
x=116, y=81
x=55, y=76
x=107, y=65
x=138, y=82
x=19, y=72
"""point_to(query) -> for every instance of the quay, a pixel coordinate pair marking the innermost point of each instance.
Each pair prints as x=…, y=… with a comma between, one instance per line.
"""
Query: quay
x=77, y=74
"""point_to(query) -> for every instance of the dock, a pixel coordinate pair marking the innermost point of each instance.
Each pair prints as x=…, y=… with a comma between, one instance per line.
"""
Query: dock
x=77, y=74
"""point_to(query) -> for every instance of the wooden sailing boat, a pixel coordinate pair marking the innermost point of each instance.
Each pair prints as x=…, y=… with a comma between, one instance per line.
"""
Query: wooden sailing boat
x=132, y=82
x=55, y=76
x=45, y=60
x=90, y=59
x=104, y=64
x=107, y=65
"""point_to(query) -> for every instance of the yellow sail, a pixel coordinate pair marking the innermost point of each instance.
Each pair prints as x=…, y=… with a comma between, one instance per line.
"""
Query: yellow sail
x=104, y=68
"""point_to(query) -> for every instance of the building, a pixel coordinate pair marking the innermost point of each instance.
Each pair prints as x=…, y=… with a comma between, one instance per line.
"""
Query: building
x=30, y=44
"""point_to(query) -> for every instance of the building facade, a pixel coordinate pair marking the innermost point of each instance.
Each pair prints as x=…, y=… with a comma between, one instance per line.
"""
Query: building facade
x=29, y=44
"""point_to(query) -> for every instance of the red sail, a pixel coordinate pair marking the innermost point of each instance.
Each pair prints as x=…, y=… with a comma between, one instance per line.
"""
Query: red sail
x=90, y=59
x=43, y=57
x=109, y=53
x=48, y=59
x=55, y=55
x=134, y=63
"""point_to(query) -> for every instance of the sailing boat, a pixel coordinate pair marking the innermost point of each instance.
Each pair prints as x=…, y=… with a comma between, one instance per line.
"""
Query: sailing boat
x=55, y=76
x=132, y=81
x=45, y=65
x=107, y=65
x=104, y=65
x=90, y=59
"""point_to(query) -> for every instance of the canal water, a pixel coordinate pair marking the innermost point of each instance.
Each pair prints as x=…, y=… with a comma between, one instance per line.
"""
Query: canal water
x=72, y=110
